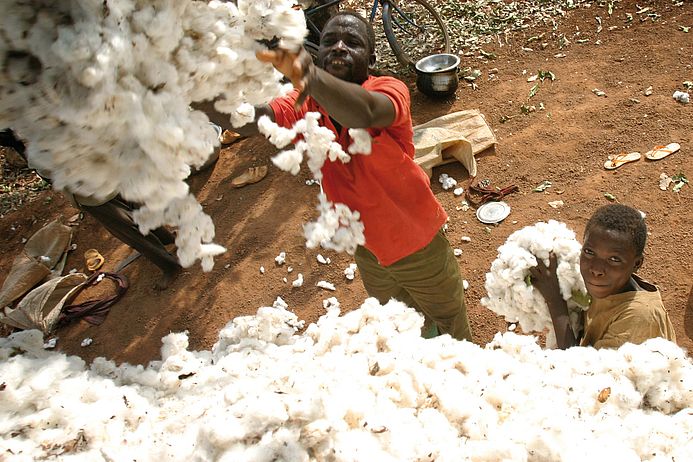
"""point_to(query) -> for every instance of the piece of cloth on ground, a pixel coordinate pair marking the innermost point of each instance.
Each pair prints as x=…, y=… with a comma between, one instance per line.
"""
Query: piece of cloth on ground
x=94, y=311
x=41, y=308
x=43, y=256
x=454, y=137
x=428, y=280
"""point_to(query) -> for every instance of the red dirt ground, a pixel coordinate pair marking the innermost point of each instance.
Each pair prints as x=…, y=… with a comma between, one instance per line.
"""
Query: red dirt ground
x=567, y=143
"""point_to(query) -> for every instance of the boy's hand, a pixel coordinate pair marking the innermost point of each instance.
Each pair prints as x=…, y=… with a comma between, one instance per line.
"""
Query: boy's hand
x=545, y=280
x=297, y=67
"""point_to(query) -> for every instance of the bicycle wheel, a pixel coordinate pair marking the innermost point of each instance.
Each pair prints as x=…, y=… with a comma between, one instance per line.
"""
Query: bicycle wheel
x=414, y=30
x=312, y=49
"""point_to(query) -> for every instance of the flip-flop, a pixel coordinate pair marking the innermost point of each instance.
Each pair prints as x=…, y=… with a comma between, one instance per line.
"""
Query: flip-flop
x=250, y=176
x=660, y=152
x=616, y=160
x=93, y=259
x=229, y=137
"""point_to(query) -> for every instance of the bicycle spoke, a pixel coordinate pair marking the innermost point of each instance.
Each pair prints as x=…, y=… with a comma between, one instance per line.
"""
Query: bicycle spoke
x=417, y=30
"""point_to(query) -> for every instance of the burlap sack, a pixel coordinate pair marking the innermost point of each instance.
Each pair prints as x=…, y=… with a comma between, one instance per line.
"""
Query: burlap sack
x=42, y=255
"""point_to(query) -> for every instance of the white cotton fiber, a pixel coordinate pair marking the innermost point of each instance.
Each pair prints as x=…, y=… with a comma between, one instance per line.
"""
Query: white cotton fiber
x=447, y=181
x=337, y=227
x=508, y=291
x=361, y=141
x=326, y=285
x=102, y=92
x=278, y=136
x=350, y=271
x=358, y=386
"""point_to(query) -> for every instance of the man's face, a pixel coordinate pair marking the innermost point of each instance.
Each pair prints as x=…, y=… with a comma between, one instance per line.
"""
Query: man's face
x=344, y=50
x=607, y=260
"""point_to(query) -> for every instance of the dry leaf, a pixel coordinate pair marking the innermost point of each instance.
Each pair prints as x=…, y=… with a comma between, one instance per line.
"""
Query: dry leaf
x=604, y=395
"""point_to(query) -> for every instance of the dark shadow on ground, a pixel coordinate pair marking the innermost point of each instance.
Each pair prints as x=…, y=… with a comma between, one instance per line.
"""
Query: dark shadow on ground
x=688, y=316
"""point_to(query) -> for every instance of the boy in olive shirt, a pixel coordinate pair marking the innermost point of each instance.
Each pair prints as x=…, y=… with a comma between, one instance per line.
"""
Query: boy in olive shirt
x=624, y=307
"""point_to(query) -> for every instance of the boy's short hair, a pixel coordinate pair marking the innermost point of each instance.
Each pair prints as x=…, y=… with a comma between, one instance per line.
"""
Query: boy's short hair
x=619, y=217
x=370, y=33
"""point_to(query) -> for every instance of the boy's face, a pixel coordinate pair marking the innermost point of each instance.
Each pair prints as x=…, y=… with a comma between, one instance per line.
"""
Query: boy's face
x=607, y=261
x=344, y=51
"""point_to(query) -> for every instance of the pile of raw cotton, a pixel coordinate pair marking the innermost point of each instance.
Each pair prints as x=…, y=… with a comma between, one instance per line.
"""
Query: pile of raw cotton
x=101, y=90
x=363, y=386
x=510, y=292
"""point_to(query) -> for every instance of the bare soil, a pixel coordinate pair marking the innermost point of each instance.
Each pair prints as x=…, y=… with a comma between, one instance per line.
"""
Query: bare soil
x=565, y=143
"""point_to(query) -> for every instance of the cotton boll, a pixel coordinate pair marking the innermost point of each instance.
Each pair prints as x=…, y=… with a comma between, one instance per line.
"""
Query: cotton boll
x=206, y=254
x=336, y=153
x=289, y=161
x=280, y=259
x=446, y=181
x=280, y=303
x=361, y=141
x=243, y=115
x=331, y=304
x=279, y=136
x=337, y=228
x=508, y=292
x=350, y=271
x=325, y=285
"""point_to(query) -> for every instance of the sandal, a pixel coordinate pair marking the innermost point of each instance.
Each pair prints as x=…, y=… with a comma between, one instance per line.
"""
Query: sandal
x=250, y=176
x=614, y=161
x=660, y=152
x=487, y=193
x=229, y=137
x=93, y=259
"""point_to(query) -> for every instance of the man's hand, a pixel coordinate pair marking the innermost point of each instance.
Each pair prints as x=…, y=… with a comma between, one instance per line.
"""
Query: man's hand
x=297, y=67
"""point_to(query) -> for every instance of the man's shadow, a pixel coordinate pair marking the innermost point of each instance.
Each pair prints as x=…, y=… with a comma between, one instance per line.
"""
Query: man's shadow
x=688, y=316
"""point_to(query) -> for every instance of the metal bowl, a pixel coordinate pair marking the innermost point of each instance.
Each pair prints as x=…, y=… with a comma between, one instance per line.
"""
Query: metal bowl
x=436, y=75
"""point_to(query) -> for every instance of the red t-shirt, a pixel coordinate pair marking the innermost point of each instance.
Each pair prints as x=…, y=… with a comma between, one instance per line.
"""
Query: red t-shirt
x=399, y=212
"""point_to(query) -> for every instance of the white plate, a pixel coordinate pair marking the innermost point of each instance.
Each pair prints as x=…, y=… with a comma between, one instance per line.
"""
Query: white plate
x=493, y=212
x=217, y=129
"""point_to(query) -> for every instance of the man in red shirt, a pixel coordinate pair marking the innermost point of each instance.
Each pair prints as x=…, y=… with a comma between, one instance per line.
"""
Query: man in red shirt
x=406, y=255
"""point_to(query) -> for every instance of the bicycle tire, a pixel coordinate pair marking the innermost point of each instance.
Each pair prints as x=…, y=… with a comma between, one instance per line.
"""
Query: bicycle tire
x=312, y=50
x=392, y=29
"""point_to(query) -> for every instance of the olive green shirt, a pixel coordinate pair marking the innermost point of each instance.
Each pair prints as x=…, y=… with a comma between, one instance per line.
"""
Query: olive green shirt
x=630, y=317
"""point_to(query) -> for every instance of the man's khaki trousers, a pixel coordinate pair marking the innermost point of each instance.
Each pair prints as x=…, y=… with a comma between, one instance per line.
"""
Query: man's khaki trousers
x=428, y=280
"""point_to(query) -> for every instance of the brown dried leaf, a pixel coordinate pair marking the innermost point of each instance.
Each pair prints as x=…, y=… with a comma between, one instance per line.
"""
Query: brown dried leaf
x=604, y=395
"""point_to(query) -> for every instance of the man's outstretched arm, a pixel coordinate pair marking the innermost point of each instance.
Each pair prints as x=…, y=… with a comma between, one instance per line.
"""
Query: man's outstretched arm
x=348, y=103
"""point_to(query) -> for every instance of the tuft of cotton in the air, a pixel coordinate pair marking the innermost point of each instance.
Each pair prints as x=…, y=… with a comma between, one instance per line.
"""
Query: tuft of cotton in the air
x=337, y=227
